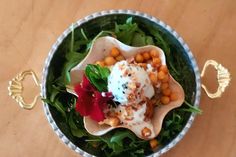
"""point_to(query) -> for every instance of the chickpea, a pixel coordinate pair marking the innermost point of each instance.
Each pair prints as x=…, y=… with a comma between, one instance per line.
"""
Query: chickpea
x=173, y=96
x=146, y=132
x=139, y=58
x=115, y=52
x=153, y=78
x=114, y=121
x=95, y=145
x=156, y=65
x=161, y=75
x=146, y=56
x=101, y=63
x=163, y=68
x=166, y=92
x=166, y=78
x=153, y=143
x=165, y=100
x=120, y=58
x=109, y=60
x=164, y=86
x=156, y=61
x=154, y=53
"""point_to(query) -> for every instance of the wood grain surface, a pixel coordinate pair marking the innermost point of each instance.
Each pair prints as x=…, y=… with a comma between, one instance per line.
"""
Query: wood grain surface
x=28, y=28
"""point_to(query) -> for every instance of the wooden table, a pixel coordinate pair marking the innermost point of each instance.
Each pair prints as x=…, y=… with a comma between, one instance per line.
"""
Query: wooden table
x=28, y=28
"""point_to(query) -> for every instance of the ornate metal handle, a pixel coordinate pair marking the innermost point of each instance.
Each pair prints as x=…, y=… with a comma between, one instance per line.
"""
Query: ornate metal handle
x=16, y=88
x=223, y=78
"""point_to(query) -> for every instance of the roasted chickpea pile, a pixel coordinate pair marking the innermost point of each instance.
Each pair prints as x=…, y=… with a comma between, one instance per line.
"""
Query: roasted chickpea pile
x=153, y=57
x=113, y=57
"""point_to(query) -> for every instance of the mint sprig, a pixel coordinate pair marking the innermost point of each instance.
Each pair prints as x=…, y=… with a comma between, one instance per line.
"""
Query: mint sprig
x=97, y=75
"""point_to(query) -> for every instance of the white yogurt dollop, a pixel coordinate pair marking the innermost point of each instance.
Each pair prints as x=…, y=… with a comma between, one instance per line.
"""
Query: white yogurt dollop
x=129, y=83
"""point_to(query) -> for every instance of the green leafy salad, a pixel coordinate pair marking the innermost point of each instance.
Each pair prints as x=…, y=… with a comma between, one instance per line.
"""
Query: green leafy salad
x=118, y=142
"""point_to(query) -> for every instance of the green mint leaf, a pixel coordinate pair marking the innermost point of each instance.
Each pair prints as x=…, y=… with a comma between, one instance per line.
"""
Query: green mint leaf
x=97, y=75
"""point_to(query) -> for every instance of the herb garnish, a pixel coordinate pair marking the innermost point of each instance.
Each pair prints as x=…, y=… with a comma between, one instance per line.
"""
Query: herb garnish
x=97, y=75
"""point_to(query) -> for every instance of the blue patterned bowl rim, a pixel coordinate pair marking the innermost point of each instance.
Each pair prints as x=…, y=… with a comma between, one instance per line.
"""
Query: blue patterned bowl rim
x=111, y=12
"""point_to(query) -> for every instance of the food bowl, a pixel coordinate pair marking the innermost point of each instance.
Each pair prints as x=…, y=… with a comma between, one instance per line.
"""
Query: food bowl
x=104, y=20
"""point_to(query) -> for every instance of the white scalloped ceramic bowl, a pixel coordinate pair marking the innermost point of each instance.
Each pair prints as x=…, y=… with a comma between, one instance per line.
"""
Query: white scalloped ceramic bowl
x=101, y=20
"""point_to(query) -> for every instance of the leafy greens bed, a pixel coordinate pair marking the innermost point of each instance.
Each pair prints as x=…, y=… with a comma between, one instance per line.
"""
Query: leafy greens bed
x=120, y=142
